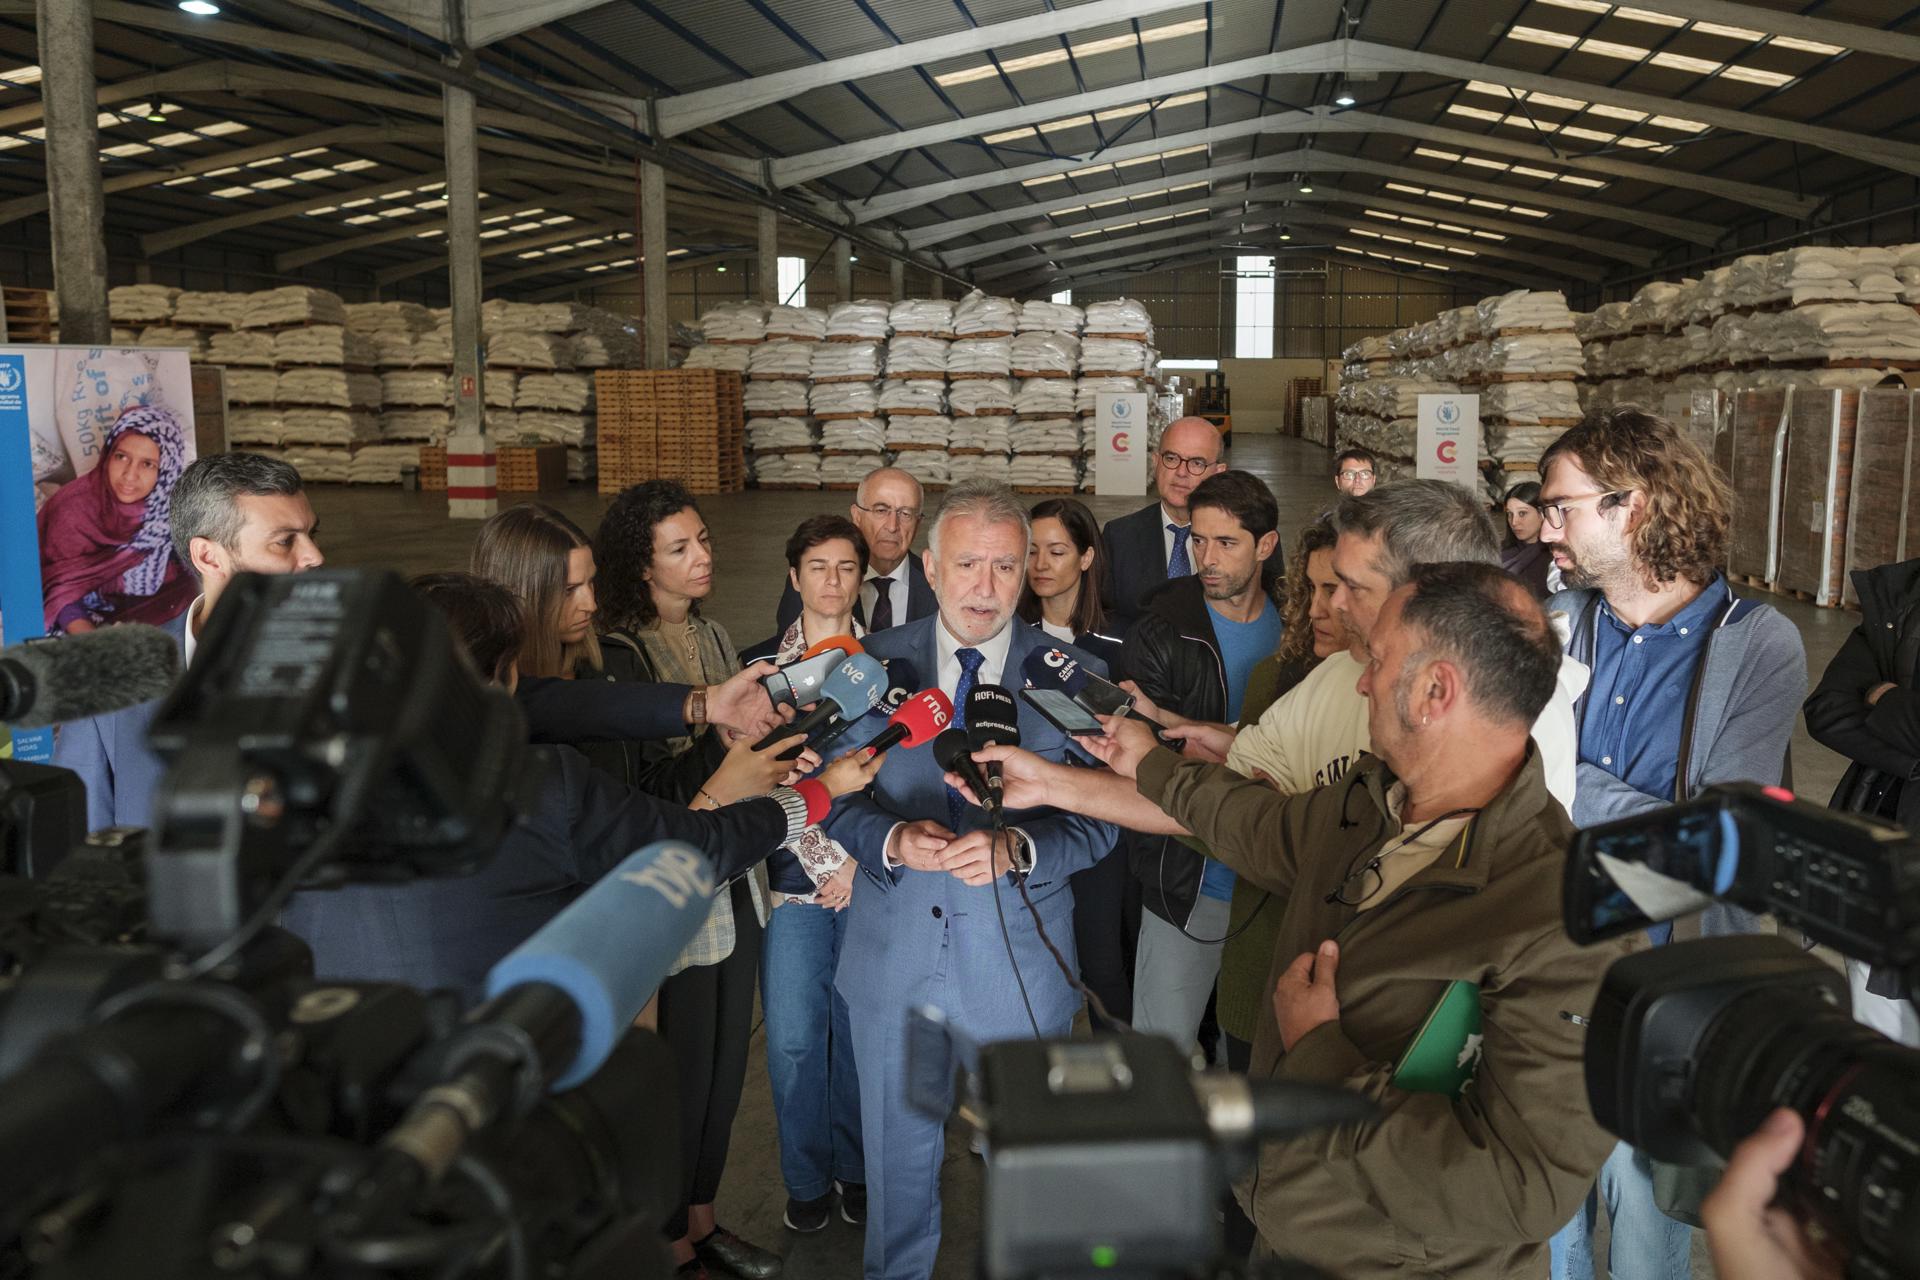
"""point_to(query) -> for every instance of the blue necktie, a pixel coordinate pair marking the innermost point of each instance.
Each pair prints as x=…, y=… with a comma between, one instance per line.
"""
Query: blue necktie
x=970, y=660
x=1178, y=566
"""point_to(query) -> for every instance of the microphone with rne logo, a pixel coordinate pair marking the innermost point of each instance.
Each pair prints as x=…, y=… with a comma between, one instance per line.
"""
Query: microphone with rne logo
x=902, y=683
x=919, y=718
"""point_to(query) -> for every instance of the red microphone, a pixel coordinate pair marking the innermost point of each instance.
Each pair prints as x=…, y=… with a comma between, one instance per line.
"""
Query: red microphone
x=919, y=720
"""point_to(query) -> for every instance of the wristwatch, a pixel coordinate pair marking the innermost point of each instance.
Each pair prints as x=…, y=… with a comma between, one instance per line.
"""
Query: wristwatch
x=1019, y=851
x=697, y=705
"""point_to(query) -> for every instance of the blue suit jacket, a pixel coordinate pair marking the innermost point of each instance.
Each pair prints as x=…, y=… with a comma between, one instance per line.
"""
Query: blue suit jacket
x=893, y=956
x=111, y=755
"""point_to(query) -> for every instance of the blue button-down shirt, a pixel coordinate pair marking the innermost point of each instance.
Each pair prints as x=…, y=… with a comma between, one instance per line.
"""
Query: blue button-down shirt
x=1630, y=724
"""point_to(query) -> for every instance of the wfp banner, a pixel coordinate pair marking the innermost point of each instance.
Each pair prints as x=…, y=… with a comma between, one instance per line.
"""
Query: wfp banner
x=92, y=440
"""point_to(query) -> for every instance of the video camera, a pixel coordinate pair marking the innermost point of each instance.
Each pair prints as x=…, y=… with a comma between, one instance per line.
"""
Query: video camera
x=1108, y=1156
x=1692, y=1045
x=179, y=1095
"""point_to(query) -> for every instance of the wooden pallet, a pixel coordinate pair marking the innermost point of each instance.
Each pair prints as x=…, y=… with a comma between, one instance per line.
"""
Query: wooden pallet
x=970, y=377
x=917, y=376
x=28, y=315
x=1041, y=373
x=839, y=378
x=433, y=468
x=530, y=468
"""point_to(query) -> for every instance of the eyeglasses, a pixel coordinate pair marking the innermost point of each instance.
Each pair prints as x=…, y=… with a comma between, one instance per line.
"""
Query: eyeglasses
x=1555, y=512
x=1357, y=475
x=886, y=513
x=1192, y=466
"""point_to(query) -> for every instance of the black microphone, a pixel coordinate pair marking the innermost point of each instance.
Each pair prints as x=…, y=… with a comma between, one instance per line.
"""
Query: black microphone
x=993, y=718
x=954, y=752
x=46, y=682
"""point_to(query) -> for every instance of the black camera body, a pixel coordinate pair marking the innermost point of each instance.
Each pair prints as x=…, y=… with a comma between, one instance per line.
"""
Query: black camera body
x=1692, y=1045
x=180, y=1096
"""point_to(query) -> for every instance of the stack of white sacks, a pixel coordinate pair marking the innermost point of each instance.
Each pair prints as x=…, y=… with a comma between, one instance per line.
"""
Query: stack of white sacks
x=944, y=390
x=1520, y=352
x=1813, y=316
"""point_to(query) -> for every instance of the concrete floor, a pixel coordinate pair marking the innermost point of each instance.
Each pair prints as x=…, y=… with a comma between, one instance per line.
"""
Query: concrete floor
x=410, y=532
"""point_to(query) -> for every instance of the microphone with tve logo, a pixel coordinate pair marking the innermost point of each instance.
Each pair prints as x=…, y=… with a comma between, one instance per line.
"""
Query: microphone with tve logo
x=798, y=683
x=850, y=690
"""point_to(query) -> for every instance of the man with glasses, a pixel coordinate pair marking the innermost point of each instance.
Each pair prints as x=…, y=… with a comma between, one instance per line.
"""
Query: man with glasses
x=1151, y=546
x=1691, y=686
x=1356, y=471
x=887, y=510
x=1424, y=880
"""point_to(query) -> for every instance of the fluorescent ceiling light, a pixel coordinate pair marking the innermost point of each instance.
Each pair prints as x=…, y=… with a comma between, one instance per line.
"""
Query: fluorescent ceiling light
x=326, y=208
x=1083, y=49
x=1111, y=113
x=272, y=184
x=231, y=193
x=312, y=175
x=355, y=166
x=177, y=139
x=220, y=128
x=361, y=220
x=126, y=149
x=202, y=8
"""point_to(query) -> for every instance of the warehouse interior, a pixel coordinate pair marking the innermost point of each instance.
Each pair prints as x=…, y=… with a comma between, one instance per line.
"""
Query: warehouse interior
x=394, y=234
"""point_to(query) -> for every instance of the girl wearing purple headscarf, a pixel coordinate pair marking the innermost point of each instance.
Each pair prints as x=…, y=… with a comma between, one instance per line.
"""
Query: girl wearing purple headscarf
x=106, y=552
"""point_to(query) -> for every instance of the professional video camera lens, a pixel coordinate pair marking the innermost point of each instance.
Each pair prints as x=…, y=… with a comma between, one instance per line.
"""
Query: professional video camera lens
x=1859, y=1170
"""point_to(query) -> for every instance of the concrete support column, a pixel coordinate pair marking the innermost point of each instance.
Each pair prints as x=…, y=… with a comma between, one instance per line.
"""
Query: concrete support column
x=471, y=490
x=653, y=267
x=842, y=270
x=897, y=278
x=766, y=262
x=76, y=205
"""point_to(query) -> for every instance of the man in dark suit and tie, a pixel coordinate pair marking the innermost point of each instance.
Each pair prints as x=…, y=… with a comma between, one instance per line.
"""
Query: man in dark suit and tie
x=924, y=926
x=887, y=510
x=1148, y=547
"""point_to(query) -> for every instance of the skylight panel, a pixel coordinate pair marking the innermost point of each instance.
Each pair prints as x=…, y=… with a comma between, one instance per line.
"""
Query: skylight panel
x=1081, y=49
x=21, y=76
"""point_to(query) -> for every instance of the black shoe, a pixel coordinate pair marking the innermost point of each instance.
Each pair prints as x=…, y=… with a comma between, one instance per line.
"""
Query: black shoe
x=728, y=1254
x=808, y=1216
x=853, y=1203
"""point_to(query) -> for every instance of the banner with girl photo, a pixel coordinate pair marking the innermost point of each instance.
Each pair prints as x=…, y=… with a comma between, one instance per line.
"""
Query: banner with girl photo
x=92, y=440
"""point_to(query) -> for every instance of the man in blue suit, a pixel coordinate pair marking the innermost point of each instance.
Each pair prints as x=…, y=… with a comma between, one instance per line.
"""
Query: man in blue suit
x=924, y=927
x=231, y=513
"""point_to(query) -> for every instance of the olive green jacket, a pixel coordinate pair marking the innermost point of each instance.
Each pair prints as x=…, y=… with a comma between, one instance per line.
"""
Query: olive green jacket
x=1468, y=1186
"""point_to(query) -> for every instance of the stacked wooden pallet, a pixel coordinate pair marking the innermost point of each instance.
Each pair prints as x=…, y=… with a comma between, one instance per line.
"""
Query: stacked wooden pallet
x=531, y=468
x=28, y=315
x=681, y=424
x=433, y=468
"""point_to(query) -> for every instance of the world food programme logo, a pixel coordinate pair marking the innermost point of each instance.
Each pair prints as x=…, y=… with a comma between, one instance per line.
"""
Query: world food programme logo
x=1448, y=414
x=1122, y=408
x=10, y=377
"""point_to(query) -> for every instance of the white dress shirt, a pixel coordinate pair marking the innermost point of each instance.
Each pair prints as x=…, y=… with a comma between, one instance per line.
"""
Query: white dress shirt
x=896, y=585
x=192, y=638
x=993, y=665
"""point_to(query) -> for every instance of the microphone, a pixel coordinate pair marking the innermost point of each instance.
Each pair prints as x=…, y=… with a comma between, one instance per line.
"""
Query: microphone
x=850, y=690
x=919, y=718
x=557, y=1005
x=798, y=683
x=46, y=682
x=598, y=962
x=1053, y=669
x=902, y=683
x=992, y=717
x=953, y=750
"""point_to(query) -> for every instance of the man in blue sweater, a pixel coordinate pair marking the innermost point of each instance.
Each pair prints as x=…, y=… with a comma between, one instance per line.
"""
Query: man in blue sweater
x=1691, y=686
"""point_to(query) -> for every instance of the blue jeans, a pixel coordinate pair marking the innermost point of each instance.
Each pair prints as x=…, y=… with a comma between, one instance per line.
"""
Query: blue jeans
x=1646, y=1243
x=816, y=1091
